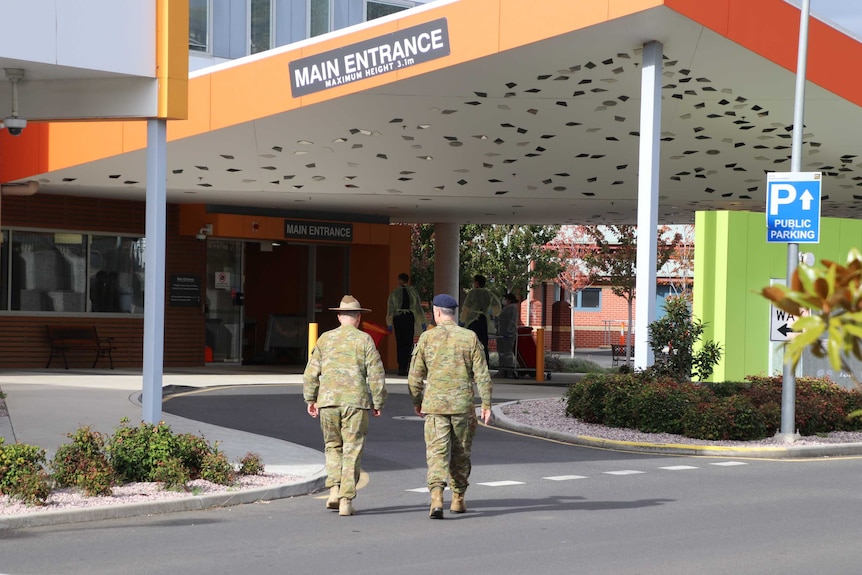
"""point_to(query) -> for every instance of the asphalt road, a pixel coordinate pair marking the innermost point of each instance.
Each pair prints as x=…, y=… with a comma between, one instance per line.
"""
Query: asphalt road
x=534, y=506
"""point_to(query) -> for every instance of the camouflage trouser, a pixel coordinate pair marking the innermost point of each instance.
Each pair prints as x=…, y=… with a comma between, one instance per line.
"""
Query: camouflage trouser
x=448, y=441
x=344, y=430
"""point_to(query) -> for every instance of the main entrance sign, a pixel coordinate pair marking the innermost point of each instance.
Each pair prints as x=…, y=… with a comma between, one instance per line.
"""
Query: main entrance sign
x=379, y=55
x=793, y=207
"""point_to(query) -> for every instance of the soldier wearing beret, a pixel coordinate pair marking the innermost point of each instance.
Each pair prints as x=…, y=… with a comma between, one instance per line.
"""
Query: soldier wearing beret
x=447, y=361
x=344, y=378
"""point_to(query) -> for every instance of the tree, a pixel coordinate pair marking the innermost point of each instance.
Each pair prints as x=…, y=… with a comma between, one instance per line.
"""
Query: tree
x=680, y=267
x=831, y=295
x=571, y=245
x=511, y=257
x=422, y=259
x=615, y=260
x=672, y=339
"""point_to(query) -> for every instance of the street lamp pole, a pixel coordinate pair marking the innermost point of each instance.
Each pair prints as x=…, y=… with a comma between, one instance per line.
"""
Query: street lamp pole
x=788, y=382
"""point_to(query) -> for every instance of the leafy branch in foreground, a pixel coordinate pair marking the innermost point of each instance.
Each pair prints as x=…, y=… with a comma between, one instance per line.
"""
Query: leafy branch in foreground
x=827, y=300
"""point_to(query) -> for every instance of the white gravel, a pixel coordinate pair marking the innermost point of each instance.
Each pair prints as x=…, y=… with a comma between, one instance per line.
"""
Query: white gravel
x=137, y=493
x=551, y=414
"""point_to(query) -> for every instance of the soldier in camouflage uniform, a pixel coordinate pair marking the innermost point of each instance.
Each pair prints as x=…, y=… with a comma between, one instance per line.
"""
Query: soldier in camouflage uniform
x=344, y=378
x=446, y=362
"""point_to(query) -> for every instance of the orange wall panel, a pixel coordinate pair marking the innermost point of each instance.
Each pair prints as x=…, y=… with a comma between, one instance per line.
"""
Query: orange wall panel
x=620, y=8
x=75, y=143
x=199, y=113
x=24, y=155
x=770, y=28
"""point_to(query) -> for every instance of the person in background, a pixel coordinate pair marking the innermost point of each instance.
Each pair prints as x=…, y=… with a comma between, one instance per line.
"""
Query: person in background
x=447, y=362
x=404, y=313
x=506, y=334
x=480, y=309
x=344, y=378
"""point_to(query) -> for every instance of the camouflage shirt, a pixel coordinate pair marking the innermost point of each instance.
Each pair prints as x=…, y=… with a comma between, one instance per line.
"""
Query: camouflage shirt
x=446, y=362
x=345, y=370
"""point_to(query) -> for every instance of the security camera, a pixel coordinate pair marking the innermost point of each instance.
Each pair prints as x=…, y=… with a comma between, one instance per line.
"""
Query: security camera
x=200, y=236
x=15, y=125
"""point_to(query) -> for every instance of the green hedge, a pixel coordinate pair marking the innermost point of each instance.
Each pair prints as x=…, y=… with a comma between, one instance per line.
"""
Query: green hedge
x=715, y=411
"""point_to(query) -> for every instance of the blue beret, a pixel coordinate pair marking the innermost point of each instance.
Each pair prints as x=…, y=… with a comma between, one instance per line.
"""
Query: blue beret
x=445, y=300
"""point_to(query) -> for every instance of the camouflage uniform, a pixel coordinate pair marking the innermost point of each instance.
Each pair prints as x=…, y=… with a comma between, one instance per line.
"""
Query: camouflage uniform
x=345, y=377
x=446, y=363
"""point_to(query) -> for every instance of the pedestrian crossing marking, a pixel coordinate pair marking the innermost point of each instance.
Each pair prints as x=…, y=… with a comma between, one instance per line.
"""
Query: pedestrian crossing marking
x=565, y=477
x=422, y=490
x=678, y=467
x=624, y=472
x=501, y=483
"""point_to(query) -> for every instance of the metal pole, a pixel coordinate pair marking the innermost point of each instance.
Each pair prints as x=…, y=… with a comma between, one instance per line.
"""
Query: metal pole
x=648, y=184
x=788, y=382
x=154, y=277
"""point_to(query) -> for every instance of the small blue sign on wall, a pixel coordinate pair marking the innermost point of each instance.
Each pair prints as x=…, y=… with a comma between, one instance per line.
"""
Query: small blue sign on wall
x=793, y=207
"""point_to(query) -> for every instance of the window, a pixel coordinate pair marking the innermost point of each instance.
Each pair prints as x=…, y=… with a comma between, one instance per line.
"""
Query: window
x=589, y=299
x=320, y=19
x=51, y=272
x=260, y=26
x=199, y=25
x=117, y=274
x=377, y=9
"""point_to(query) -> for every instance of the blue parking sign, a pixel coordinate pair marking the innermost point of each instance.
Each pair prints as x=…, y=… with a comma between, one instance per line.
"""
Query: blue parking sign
x=793, y=207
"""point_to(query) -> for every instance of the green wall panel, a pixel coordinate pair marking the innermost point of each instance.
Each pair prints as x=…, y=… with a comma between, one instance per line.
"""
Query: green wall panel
x=733, y=262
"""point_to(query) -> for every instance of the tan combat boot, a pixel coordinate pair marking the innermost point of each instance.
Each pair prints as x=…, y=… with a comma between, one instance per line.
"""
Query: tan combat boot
x=458, y=505
x=436, y=503
x=332, y=500
x=345, y=507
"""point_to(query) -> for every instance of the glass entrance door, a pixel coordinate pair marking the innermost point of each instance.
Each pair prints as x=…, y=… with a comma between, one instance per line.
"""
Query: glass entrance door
x=224, y=301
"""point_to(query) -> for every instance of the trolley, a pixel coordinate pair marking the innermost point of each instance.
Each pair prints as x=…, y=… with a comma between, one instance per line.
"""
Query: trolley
x=525, y=354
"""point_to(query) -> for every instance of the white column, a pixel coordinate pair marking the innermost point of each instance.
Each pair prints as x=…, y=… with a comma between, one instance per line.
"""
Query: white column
x=154, y=280
x=648, y=172
x=447, y=240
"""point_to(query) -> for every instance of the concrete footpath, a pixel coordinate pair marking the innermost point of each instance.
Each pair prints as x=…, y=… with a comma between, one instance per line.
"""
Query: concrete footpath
x=43, y=406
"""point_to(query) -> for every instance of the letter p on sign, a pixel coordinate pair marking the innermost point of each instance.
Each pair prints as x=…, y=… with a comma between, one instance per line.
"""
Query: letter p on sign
x=780, y=194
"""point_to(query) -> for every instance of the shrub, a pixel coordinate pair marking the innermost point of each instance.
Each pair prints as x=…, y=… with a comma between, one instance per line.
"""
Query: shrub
x=153, y=453
x=191, y=450
x=84, y=464
x=217, y=469
x=22, y=475
x=733, y=418
x=672, y=339
x=662, y=405
x=251, y=464
x=135, y=452
x=171, y=472
x=729, y=410
x=558, y=363
x=585, y=399
x=620, y=405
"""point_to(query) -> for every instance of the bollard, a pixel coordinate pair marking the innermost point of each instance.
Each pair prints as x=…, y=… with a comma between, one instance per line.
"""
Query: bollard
x=540, y=354
x=312, y=337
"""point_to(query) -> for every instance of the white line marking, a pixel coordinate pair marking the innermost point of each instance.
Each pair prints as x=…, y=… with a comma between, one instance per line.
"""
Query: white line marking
x=678, y=467
x=624, y=472
x=728, y=463
x=565, y=477
x=501, y=483
x=422, y=490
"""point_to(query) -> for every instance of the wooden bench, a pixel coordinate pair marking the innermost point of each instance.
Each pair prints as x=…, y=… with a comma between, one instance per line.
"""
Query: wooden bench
x=64, y=338
x=618, y=353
